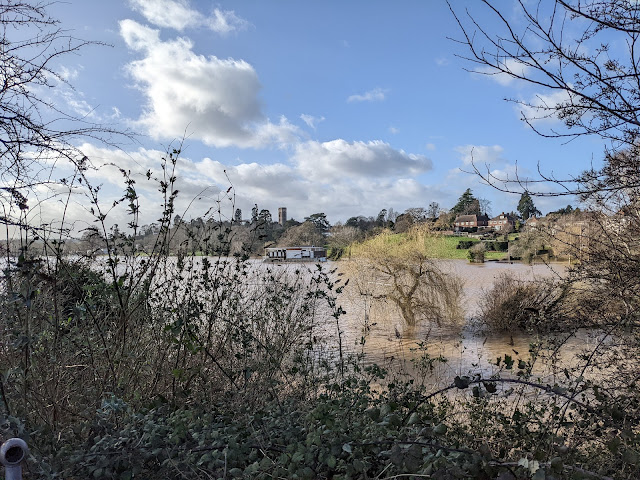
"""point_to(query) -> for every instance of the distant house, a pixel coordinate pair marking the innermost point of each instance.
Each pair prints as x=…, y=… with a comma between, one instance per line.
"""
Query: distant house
x=295, y=254
x=504, y=221
x=471, y=221
x=533, y=222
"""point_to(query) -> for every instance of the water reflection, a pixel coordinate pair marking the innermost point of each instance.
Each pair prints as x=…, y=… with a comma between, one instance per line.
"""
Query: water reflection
x=376, y=329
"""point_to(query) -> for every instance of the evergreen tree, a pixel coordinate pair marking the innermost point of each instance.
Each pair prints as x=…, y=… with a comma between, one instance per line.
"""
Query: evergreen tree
x=320, y=221
x=526, y=208
x=467, y=204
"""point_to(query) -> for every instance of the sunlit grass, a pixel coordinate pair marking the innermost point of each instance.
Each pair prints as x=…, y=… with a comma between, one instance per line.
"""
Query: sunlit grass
x=427, y=242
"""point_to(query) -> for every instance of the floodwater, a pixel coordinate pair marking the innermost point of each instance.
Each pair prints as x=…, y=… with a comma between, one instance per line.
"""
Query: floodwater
x=377, y=330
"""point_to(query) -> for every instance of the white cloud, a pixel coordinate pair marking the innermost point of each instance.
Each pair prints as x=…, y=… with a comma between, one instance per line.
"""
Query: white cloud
x=280, y=185
x=210, y=99
x=509, y=65
x=442, y=61
x=540, y=109
x=430, y=146
x=225, y=21
x=311, y=121
x=339, y=159
x=68, y=73
x=481, y=155
x=393, y=130
x=375, y=95
x=339, y=178
x=179, y=15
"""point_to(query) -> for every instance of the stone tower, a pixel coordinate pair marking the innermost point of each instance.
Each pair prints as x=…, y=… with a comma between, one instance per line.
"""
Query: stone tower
x=282, y=215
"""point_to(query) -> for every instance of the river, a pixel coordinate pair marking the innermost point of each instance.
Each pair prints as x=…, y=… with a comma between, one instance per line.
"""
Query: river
x=377, y=330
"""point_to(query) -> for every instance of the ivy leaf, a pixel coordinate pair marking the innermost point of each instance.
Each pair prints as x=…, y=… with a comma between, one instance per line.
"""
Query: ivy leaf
x=461, y=382
x=490, y=386
x=346, y=447
x=413, y=418
x=396, y=456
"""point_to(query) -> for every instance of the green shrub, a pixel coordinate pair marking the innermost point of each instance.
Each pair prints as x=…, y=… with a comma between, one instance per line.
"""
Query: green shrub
x=476, y=253
x=465, y=244
x=501, y=246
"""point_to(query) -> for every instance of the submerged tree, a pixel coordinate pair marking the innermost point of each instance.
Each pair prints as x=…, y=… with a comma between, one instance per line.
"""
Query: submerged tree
x=404, y=273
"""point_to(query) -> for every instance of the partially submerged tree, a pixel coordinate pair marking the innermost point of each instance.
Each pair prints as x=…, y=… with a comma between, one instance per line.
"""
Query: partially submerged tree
x=401, y=271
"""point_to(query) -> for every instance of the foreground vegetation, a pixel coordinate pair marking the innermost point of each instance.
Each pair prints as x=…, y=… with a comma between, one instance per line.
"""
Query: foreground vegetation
x=130, y=366
x=197, y=367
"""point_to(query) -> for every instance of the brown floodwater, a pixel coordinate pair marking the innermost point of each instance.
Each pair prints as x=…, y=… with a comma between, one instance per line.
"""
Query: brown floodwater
x=375, y=329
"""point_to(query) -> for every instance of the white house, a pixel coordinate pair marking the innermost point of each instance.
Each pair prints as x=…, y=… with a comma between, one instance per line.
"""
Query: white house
x=292, y=254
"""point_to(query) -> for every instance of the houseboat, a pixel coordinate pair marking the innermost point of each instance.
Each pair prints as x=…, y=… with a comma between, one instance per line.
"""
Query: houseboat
x=295, y=254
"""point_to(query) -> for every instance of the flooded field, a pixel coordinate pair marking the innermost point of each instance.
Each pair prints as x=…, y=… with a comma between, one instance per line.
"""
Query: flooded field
x=388, y=340
x=375, y=328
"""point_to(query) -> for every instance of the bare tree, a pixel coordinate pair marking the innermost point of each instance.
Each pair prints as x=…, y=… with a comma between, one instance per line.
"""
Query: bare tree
x=583, y=55
x=584, y=52
x=35, y=132
x=599, y=84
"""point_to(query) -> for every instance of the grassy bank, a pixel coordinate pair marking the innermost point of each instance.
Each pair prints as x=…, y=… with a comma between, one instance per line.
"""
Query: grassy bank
x=433, y=245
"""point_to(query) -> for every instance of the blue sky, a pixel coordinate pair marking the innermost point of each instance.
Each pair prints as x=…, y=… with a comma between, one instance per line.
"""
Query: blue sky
x=337, y=107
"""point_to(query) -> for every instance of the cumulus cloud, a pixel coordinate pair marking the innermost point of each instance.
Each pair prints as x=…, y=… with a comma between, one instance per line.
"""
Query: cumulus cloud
x=375, y=95
x=67, y=73
x=311, y=121
x=509, y=65
x=257, y=182
x=541, y=108
x=179, y=15
x=339, y=178
x=338, y=159
x=210, y=99
x=481, y=154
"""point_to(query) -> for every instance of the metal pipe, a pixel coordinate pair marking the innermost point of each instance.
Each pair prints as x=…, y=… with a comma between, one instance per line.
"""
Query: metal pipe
x=12, y=453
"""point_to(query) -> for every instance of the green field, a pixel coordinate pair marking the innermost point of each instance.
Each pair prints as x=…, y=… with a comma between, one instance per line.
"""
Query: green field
x=435, y=246
x=445, y=247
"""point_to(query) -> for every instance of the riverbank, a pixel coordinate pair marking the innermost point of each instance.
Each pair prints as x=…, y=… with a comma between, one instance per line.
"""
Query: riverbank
x=444, y=247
